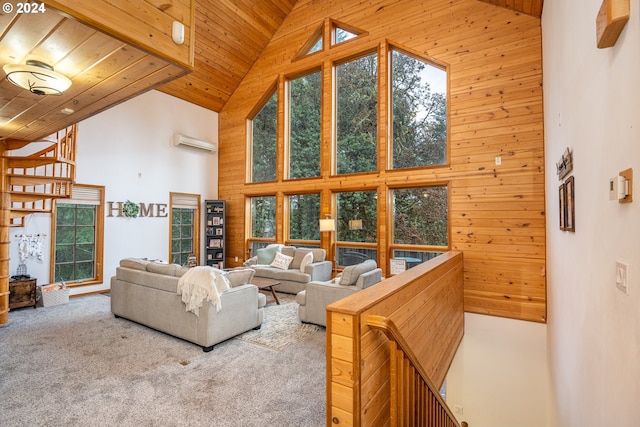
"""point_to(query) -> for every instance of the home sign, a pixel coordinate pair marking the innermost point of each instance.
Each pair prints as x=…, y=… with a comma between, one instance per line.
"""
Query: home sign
x=129, y=209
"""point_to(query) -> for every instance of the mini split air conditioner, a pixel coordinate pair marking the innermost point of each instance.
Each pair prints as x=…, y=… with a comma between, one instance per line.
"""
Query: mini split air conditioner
x=184, y=141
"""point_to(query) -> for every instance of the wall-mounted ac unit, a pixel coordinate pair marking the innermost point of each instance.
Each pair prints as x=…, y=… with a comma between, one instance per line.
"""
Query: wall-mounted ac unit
x=184, y=141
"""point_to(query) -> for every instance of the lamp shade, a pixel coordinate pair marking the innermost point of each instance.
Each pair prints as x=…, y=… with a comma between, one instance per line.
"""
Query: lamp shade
x=37, y=77
x=328, y=224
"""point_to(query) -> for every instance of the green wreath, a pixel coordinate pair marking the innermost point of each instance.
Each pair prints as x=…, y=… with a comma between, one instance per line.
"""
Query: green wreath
x=130, y=209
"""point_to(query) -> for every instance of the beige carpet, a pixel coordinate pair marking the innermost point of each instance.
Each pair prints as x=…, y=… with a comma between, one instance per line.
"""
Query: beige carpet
x=76, y=365
x=281, y=326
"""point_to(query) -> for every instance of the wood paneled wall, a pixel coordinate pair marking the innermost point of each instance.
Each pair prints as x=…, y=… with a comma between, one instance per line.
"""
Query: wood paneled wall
x=143, y=23
x=494, y=64
x=426, y=305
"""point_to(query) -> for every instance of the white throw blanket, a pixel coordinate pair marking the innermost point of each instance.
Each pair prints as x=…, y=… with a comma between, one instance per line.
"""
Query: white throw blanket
x=201, y=284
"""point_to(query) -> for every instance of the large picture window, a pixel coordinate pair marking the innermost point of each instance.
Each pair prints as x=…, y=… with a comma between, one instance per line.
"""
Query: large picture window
x=420, y=216
x=185, y=227
x=304, y=213
x=419, y=112
x=357, y=115
x=356, y=226
x=413, y=131
x=263, y=142
x=263, y=221
x=78, y=235
x=304, y=126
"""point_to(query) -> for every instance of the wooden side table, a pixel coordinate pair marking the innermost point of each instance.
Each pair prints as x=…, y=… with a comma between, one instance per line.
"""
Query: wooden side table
x=22, y=293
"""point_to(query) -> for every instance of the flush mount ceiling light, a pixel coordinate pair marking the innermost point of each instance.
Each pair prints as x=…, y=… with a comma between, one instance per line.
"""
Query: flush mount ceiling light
x=37, y=77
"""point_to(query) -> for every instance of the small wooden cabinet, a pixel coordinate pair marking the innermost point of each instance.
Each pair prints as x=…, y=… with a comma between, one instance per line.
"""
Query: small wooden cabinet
x=22, y=293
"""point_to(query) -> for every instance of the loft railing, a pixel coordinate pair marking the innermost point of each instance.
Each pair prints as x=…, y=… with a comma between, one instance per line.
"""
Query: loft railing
x=426, y=306
x=415, y=400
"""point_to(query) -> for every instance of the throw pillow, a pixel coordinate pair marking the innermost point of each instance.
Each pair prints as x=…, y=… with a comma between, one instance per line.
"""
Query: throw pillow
x=306, y=260
x=298, y=256
x=281, y=261
x=268, y=254
x=181, y=271
x=350, y=274
x=160, y=268
x=135, y=263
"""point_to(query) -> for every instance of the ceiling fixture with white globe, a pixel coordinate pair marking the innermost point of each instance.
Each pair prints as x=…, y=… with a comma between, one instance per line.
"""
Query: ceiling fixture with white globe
x=37, y=77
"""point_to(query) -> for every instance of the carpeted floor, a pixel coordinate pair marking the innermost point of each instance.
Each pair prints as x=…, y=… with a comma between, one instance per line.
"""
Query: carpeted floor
x=75, y=364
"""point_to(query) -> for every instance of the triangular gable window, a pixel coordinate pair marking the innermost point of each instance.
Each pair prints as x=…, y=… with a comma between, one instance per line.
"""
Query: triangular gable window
x=314, y=44
x=343, y=35
x=316, y=47
x=340, y=33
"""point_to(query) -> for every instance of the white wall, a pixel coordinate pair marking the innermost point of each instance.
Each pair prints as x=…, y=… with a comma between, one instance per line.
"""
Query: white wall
x=128, y=149
x=498, y=377
x=592, y=106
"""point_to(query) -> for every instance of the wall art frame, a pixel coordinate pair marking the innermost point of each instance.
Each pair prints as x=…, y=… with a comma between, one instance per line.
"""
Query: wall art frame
x=570, y=210
x=562, y=206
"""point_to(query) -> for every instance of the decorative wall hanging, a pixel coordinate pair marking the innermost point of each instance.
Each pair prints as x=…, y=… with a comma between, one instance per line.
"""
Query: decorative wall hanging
x=562, y=205
x=570, y=206
x=566, y=205
x=565, y=164
x=131, y=209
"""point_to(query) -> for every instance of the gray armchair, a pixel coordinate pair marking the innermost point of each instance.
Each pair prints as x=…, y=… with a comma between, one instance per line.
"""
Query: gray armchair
x=312, y=302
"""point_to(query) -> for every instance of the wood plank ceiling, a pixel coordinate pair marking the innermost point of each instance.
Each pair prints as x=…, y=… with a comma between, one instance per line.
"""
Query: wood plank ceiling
x=230, y=35
x=104, y=71
x=528, y=7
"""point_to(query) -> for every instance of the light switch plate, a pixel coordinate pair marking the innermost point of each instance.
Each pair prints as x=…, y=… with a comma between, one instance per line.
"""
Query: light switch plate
x=622, y=277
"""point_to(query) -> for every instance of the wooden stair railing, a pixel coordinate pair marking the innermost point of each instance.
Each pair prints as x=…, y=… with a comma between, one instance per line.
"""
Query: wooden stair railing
x=415, y=400
x=37, y=179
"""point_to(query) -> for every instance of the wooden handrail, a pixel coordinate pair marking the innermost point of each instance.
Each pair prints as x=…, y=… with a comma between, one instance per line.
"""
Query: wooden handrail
x=415, y=400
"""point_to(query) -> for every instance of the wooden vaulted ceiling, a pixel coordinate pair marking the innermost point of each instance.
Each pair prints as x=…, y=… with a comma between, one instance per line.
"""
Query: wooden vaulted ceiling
x=230, y=34
x=229, y=37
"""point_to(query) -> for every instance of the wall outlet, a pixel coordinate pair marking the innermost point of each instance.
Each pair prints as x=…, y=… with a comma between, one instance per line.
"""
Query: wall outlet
x=622, y=277
x=236, y=259
x=498, y=160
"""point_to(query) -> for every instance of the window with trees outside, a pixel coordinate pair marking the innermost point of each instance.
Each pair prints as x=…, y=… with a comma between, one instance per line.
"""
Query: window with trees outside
x=420, y=219
x=78, y=233
x=419, y=112
x=263, y=222
x=185, y=227
x=263, y=142
x=304, y=126
x=304, y=214
x=357, y=219
x=416, y=94
x=357, y=115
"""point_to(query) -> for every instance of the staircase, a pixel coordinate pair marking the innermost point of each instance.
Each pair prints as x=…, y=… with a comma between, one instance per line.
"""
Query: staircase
x=38, y=178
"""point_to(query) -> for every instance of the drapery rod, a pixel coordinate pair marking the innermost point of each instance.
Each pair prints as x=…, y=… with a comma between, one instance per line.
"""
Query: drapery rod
x=31, y=235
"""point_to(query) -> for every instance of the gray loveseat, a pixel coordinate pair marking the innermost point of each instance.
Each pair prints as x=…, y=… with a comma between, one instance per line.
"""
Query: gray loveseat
x=313, y=301
x=146, y=292
x=293, y=277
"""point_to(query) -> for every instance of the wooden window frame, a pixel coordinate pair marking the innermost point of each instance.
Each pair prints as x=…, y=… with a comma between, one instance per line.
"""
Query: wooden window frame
x=174, y=198
x=99, y=236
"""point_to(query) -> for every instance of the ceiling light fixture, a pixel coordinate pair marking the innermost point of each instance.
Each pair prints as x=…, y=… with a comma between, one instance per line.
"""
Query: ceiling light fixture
x=37, y=77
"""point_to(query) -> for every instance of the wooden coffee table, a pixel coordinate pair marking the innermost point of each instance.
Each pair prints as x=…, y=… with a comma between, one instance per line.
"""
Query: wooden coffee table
x=267, y=284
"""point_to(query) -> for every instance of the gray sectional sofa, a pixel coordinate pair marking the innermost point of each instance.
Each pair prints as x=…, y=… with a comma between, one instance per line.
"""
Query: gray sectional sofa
x=146, y=292
x=271, y=263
